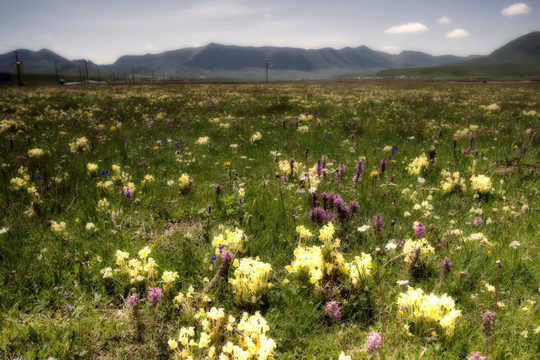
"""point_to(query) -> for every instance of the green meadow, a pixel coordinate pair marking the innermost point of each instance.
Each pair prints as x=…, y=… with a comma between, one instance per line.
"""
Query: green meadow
x=321, y=220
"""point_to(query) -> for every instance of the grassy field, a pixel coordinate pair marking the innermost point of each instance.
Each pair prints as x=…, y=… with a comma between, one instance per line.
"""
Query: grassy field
x=290, y=221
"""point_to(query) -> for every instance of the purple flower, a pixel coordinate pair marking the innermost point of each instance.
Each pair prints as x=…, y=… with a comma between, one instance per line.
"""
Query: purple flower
x=319, y=215
x=394, y=148
x=127, y=192
x=358, y=172
x=383, y=166
x=377, y=223
x=284, y=178
x=104, y=173
x=454, y=143
x=488, y=322
x=478, y=222
x=419, y=231
x=133, y=300
x=445, y=265
x=476, y=356
x=341, y=209
x=332, y=311
x=217, y=188
x=340, y=172
x=319, y=168
x=154, y=296
x=324, y=161
x=354, y=206
x=327, y=200
x=467, y=151
x=373, y=342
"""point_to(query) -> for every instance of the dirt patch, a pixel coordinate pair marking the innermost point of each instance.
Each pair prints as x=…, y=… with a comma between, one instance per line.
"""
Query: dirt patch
x=513, y=168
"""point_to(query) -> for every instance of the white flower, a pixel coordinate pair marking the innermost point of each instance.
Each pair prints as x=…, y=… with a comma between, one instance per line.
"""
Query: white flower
x=170, y=182
x=515, y=244
x=363, y=228
x=402, y=282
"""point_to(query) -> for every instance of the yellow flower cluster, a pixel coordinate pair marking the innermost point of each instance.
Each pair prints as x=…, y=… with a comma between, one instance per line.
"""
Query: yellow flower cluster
x=326, y=233
x=285, y=168
x=203, y=140
x=105, y=185
x=92, y=168
x=410, y=246
x=315, y=261
x=452, y=182
x=248, y=342
x=148, y=179
x=184, y=182
x=17, y=183
x=119, y=176
x=58, y=227
x=36, y=152
x=303, y=232
x=81, y=144
x=231, y=240
x=359, y=268
x=481, y=184
x=250, y=280
x=418, y=165
x=308, y=260
x=140, y=269
x=466, y=131
x=256, y=138
x=428, y=310
x=302, y=129
x=103, y=205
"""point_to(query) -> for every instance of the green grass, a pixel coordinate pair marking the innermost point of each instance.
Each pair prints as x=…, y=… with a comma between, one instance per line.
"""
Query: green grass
x=54, y=301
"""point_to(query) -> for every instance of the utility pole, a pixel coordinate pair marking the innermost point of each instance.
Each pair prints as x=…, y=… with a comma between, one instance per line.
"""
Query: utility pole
x=19, y=69
x=86, y=68
x=56, y=71
x=268, y=66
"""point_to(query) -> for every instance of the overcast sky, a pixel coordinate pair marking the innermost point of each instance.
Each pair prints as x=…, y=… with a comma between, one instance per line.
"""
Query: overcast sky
x=103, y=30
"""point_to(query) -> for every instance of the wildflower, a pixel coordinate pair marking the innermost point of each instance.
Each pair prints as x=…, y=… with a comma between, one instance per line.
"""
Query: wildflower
x=363, y=228
x=476, y=356
x=419, y=230
x=383, y=166
x=133, y=300
x=80, y=145
x=332, y=311
x=358, y=171
x=481, y=184
x=418, y=165
x=154, y=296
x=256, y=138
x=373, y=342
x=342, y=356
x=488, y=323
x=203, y=140
x=35, y=152
x=90, y=226
x=377, y=223
x=106, y=272
x=445, y=265
x=172, y=344
x=514, y=244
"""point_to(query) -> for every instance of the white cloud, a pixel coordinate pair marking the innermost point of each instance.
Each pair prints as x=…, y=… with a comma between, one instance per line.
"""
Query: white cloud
x=516, y=9
x=444, y=20
x=457, y=33
x=407, y=28
x=148, y=46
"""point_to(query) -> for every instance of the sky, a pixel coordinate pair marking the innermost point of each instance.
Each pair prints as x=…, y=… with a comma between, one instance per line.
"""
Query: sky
x=102, y=31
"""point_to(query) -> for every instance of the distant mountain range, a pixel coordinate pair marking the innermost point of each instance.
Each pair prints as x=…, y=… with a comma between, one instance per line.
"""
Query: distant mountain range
x=518, y=58
x=244, y=62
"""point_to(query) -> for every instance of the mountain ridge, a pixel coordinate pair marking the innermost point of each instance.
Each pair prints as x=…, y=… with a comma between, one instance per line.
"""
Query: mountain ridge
x=218, y=60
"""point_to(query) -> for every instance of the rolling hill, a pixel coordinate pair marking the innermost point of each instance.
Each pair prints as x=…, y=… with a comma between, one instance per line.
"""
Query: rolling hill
x=518, y=58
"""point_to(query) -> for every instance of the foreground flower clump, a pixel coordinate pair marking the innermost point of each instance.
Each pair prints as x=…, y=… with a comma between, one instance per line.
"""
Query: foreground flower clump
x=425, y=311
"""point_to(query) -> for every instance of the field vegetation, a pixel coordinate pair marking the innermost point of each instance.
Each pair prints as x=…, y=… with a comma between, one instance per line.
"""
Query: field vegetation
x=347, y=220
